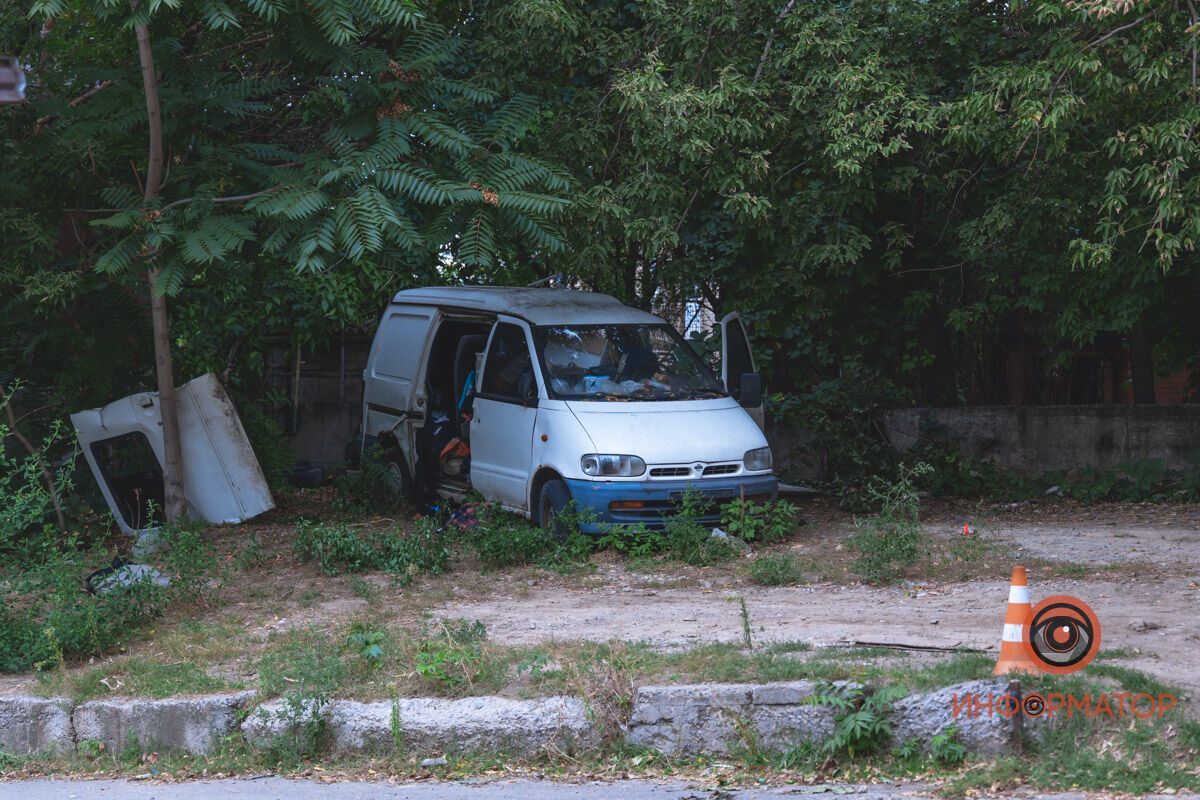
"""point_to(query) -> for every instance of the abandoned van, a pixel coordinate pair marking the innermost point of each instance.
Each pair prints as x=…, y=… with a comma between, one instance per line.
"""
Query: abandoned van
x=537, y=397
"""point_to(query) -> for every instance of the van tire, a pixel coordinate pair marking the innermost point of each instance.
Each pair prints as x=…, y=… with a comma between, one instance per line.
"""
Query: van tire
x=398, y=476
x=553, y=499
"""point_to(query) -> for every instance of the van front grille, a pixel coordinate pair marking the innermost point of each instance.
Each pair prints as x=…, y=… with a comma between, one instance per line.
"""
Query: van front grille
x=670, y=472
x=720, y=469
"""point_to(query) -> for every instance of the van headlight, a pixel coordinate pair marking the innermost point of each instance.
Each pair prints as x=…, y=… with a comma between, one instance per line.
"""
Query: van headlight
x=600, y=465
x=759, y=458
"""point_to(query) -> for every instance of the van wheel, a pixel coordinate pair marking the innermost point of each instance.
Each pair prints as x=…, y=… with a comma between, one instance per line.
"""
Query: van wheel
x=552, y=501
x=398, y=478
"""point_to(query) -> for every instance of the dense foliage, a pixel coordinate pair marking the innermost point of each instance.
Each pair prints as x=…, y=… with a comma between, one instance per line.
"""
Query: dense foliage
x=318, y=157
x=903, y=197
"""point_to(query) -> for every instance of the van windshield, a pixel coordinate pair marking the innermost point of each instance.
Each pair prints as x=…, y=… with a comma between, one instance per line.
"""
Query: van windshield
x=622, y=362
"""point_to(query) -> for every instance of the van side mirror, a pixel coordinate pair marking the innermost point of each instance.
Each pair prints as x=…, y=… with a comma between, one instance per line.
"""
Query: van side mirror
x=751, y=395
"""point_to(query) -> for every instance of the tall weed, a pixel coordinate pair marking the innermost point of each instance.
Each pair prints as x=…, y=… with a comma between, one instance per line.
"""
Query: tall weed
x=890, y=540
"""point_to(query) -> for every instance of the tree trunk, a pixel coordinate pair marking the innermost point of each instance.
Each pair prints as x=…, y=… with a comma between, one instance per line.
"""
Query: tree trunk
x=1141, y=365
x=168, y=407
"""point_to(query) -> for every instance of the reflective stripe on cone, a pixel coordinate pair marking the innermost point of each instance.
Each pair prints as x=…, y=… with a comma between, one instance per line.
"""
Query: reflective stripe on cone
x=1013, y=657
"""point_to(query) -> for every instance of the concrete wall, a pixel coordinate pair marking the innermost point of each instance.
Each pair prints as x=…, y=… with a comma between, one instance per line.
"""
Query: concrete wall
x=1049, y=438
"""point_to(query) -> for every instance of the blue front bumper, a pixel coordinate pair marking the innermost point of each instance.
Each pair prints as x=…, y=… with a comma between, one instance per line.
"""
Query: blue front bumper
x=659, y=498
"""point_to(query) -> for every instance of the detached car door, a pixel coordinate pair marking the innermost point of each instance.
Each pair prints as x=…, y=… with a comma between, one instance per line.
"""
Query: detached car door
x=736, y=362
x=505, y=410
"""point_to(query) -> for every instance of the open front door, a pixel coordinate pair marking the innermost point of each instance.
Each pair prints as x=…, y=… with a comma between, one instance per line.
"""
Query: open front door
x=505, y=411
x=736, y=362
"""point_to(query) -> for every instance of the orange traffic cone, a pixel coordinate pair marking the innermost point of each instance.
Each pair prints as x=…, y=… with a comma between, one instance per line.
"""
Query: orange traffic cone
x=1012, y=653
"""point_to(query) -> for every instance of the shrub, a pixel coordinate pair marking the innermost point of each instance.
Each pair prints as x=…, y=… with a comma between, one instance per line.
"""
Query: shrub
x=633, y=541
x=339, y=547
x=838, y=415
x=504, y=540
x=368, y=642
x=683, y=537
x=48, y=619
x=368, y=490
x=775, y=570
x=890, y=540
x=270, y=445
x=862, y=725
x=691, y=542
x=1131, y=481
x=758, y=522
x=26, y=500
x=501, y=539
x=945, y=748
x=952, y=474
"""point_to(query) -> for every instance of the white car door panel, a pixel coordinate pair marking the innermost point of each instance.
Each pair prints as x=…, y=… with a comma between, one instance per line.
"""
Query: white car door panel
x=505, y=413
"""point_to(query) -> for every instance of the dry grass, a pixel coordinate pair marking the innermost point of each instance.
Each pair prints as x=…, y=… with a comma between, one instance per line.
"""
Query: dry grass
x=265, y=601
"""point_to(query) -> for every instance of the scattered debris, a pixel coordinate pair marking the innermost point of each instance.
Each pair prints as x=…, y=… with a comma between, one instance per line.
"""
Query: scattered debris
x=1141, y=626
x=1055, y=489
x=927, y=648
x=733, y=541
x=466, y=516
x=966, y=530
x=122, y=574
x=440, y=761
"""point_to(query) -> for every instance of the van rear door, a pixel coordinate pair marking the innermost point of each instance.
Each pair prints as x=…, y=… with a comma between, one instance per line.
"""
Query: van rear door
x=736, y=361
x=392, y=391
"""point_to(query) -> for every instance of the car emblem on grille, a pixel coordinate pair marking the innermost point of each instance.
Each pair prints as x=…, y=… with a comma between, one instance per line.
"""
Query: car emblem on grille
x=699, y=466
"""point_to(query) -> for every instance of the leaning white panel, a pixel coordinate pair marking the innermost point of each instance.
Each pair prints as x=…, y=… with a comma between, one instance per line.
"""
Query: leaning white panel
x=222, y=480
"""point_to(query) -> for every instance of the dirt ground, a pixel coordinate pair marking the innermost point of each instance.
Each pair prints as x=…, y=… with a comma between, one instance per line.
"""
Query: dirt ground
x=1138, y=566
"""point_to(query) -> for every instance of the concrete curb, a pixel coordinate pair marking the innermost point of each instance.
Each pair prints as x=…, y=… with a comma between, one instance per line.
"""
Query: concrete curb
x=30, y=725
x=427, y=725
x=189, y=724
x=700, y=719
x=717, y=719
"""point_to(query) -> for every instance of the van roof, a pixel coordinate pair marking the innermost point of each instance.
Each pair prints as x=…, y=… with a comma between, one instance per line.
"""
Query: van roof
x=537, y=305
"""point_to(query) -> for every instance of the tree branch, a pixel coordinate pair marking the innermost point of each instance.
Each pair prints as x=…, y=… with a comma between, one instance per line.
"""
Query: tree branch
x=237, y=198
x=1058, y=80
x=89, y=94
x=762, y=60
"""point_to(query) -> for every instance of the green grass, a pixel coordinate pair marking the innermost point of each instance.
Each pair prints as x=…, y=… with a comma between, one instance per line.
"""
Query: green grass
x=1122, y=756
x=776, y=570
x=136, y=677
x=1131, y=679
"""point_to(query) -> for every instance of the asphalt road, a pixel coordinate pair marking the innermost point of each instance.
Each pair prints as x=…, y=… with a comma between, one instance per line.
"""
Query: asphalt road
x=285, y=789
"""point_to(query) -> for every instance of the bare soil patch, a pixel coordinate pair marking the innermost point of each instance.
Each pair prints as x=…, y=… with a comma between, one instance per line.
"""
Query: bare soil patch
x=1138, y=566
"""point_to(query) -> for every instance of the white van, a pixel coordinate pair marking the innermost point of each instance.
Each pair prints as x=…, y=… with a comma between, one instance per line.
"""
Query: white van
x=537, y=397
